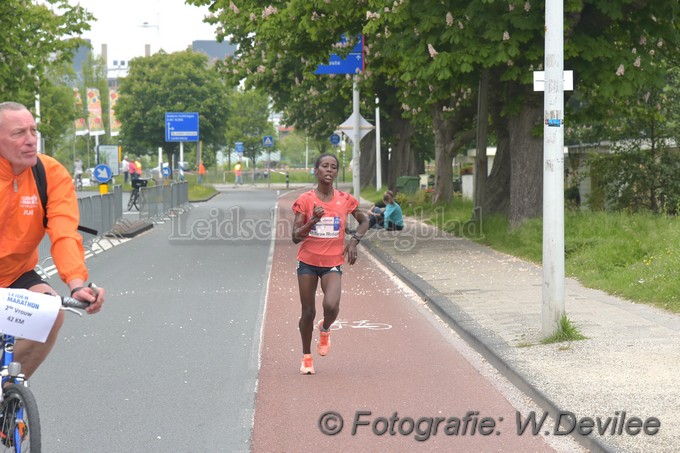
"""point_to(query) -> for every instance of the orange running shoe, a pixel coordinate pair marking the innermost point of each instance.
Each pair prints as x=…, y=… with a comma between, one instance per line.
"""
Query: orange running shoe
x=307, y=366
x=324, y=345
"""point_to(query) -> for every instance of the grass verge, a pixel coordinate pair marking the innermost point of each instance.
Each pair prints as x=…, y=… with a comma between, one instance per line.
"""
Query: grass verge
x=633, y=256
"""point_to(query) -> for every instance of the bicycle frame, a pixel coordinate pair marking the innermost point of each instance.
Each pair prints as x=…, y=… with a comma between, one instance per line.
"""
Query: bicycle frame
x=20, y=415
x=10, y=371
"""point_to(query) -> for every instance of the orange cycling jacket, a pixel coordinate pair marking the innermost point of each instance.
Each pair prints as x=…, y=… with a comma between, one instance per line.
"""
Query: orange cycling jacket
x=21, y=222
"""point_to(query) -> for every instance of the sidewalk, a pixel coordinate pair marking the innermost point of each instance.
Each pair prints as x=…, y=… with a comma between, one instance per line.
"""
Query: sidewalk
x=629, y=363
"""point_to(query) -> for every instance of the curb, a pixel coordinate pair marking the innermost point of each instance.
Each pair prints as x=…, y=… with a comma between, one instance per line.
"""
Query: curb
x=203, y=200
x=459, y=321
x=130, y=231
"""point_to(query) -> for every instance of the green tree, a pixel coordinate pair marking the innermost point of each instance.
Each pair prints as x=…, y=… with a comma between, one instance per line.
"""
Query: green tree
x=34, y=38
x=280, y=47
x=293, y=149
x=641, y=173
x=249, y=122
x=431, y=54
x=176, y=82
x=452, y=43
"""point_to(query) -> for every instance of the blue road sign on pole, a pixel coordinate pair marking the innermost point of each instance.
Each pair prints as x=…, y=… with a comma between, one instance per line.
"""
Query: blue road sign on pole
x=102, y=173
x=335, y=139
x=268, y=140
x=239, y=147
x=353, y=63
x=181, y=126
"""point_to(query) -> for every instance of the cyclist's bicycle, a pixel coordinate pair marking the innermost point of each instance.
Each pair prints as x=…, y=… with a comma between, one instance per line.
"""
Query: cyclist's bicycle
x=78, y=181
x=19, y=417
x=137, y=196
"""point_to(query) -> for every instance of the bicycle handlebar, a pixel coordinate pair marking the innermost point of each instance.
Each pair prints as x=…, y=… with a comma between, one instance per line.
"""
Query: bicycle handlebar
x=71, y=302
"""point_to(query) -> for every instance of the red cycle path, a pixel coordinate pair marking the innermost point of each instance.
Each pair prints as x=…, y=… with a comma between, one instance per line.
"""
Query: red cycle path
x=409, y=369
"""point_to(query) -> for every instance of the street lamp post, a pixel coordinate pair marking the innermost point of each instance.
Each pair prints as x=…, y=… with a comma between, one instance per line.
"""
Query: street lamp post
x=158, y=32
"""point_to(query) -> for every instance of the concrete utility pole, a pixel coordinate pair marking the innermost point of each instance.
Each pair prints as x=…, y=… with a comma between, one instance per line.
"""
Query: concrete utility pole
x=553, y=169
x=378, y=159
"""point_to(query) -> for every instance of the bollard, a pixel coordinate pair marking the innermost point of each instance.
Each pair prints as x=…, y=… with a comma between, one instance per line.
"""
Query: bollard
x=287, y=180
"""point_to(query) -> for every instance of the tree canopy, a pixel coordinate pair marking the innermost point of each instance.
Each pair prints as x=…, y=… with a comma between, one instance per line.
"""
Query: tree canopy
x=176, y=82
x=34, y=38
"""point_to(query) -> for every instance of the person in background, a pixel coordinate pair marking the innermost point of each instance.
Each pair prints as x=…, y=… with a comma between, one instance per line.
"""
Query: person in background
x=78, y=173
x=138, y=168
x=125, y=168
x=319, y=228
x=22, y=228
x=391, y=218
x=238, y=172
x=201, y=172
x=133, y=169
x=376, y=212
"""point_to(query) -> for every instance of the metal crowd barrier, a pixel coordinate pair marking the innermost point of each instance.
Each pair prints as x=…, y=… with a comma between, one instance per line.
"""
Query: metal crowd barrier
x=97, y=212
x=164, y=201
x=103, y=212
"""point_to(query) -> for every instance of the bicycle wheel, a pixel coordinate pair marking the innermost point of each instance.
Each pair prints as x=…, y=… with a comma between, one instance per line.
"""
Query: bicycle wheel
x=133, y=200
x=141, y=201
x=19, y=421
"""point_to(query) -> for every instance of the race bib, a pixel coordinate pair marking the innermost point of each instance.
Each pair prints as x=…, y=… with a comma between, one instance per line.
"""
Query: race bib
x=327, y=227
x=26, y=314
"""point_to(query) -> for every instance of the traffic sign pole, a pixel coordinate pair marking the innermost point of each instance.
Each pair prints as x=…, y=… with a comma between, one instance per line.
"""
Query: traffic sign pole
x=356, y=149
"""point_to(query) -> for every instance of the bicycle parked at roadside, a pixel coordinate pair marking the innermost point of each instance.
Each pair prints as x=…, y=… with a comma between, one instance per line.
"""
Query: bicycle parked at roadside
x=137, y=196
x=19, y=416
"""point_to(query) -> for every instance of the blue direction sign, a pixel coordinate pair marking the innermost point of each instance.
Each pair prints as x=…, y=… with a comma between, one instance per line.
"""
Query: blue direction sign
x=335, y=139
x=268, y=140
x=166, y=171
x=239, y=147
x=351, y=65
x=181, y=126
x=102, y=173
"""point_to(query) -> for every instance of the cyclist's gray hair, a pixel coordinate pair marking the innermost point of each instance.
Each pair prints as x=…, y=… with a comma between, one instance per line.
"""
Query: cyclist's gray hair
x=9, y=105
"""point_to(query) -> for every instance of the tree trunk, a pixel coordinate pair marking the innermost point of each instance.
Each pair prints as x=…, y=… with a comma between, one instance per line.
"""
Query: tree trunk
x=447, y=143
x=526, y=165
x=401, y=158
x=481, y=161
x=496, y=199
x=443, y=160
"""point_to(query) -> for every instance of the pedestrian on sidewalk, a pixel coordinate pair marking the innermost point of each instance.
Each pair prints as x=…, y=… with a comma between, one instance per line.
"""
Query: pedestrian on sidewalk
x=125, y=168
x=319, y=228
x=201, y=172
x=238, y=174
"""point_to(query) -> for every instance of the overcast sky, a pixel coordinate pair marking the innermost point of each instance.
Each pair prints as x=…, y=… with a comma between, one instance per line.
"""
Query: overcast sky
x=170, y=24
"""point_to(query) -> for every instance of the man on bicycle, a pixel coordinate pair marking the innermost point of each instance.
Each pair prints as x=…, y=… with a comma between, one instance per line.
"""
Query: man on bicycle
x=78, y=174
x=22, y=228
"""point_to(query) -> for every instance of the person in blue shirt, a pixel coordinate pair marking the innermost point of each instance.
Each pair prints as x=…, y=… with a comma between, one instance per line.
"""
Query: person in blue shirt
x=391, y=218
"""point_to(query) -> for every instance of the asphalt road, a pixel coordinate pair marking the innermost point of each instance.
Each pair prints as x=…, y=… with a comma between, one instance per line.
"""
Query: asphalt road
x=171, y=362
x=179, y=359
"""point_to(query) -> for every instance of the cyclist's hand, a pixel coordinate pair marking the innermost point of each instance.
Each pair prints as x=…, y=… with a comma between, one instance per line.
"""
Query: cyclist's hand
x=96, y=299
